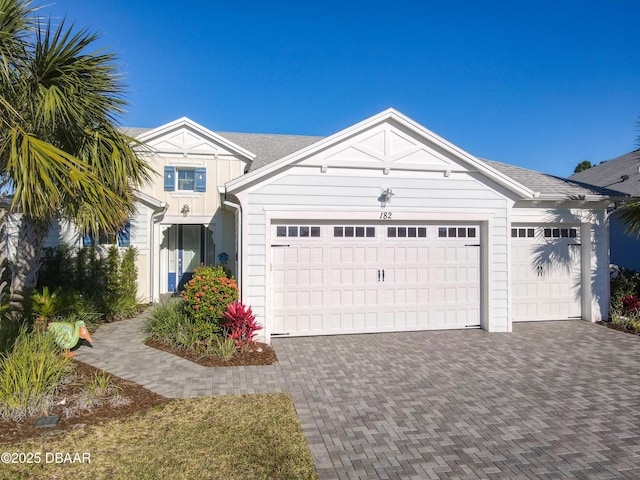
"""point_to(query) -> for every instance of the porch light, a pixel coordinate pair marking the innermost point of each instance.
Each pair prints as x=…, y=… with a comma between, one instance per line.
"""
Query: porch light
x=385, y=196
x=185, y=210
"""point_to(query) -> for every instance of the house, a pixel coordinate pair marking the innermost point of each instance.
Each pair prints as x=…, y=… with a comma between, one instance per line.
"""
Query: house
x=383, y=226
x=623, y=174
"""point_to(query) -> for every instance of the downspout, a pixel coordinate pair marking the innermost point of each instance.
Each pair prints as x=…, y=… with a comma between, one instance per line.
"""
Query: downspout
x=238, y=208
x=154, y=216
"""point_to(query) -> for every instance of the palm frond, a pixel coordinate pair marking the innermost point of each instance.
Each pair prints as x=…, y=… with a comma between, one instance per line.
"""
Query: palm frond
x=16, y=25
x=629, y=213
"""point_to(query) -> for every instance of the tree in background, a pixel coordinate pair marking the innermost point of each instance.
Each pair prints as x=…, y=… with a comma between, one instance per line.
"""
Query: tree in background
x=584, y=165
x=60, y=150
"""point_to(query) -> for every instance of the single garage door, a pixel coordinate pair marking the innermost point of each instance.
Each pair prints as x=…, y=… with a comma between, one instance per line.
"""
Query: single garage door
x=357, y=278
x=545, y=272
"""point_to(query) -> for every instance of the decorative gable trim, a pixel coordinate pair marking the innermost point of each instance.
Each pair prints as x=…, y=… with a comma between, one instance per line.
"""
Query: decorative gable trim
x=391, y=150
x=156, y=135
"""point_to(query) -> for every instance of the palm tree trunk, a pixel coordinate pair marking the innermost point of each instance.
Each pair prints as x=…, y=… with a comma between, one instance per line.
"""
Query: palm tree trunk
x=3, y=244
x=25, y=269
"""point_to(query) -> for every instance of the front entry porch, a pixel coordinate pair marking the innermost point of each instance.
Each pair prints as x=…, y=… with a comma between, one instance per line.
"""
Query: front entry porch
x=184, y=247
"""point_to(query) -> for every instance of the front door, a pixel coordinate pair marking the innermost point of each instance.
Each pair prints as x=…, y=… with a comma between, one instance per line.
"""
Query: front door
x=190, y=251
x=185, y=252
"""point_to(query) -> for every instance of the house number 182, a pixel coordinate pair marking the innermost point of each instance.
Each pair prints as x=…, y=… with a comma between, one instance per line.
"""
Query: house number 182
x=385, y=215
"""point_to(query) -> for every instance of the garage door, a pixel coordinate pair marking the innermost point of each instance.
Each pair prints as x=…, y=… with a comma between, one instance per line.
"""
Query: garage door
x=350, y=278
x=545, y=272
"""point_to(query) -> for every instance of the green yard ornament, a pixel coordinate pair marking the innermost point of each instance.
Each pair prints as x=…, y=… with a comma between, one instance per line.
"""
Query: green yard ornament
x=67, y=335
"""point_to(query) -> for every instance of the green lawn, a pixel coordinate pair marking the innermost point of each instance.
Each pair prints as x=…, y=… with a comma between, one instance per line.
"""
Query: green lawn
x=225, y=437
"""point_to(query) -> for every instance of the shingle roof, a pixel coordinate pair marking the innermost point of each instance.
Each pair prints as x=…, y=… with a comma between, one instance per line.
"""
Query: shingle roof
x=271, y=147
x=133, y=132
x=267, y=147
x=621, y=173
x=549, y=184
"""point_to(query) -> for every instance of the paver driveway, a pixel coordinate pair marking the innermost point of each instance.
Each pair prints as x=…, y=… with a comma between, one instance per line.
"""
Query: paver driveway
x=550, y=400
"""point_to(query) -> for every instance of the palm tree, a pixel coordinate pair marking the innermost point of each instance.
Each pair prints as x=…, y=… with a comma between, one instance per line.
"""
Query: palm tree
x=60, y=149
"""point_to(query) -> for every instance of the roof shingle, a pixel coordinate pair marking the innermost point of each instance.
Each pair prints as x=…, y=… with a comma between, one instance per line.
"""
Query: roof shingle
x=622, y=173
x=271, y=147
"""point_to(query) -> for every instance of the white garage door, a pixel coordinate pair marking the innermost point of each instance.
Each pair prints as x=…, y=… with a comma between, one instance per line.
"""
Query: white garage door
x=545, y=272
x=337, y=278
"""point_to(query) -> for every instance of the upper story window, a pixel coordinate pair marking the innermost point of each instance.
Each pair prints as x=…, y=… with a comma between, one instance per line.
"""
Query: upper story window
x=185, y=179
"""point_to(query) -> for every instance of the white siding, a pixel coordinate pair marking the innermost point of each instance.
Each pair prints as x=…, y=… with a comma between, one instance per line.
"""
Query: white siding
x=418, y=195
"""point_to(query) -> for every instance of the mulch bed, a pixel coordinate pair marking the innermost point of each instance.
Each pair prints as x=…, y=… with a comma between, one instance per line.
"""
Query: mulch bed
x=256, y=354
x=620, y=328
x=141, y=400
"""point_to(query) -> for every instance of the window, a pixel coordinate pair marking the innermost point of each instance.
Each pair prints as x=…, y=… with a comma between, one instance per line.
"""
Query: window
x=357, y=232
x=523, y=232
x=456, y=232
x=304, y=231
x=185, y=179
x=560, y=233
x=406, y=232
x=121, y=238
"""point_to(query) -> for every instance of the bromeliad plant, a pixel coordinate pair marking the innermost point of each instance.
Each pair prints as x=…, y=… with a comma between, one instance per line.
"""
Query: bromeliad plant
x=241, y=322
x=631, y=304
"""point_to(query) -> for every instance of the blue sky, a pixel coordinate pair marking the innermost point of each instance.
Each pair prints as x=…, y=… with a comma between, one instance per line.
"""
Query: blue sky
x=542, y=84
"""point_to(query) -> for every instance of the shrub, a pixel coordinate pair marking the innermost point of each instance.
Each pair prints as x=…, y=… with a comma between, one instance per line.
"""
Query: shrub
x=85, y=275
x=207, y=295
x=30, y=375
x=241, y=323
x=58, y=268
x=625, y=284
x=631, y=304
x=9, y=330
x=101, y=385
x=222, y=348
x=129, y=273
x=45, y=305
x=167, y=323
x=9, y=325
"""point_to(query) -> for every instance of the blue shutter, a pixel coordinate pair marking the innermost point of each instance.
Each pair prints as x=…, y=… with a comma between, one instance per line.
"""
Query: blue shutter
x=87, y=240
x=169, y=179
x=201, y=179
x=124, y=236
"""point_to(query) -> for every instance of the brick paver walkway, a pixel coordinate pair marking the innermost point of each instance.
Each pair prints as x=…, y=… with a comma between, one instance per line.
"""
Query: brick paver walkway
x=551, y=400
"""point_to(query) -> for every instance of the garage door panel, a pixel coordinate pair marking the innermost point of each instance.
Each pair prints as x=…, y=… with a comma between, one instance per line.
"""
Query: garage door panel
x=317, y=298
x=375, y=282
x=546, y=272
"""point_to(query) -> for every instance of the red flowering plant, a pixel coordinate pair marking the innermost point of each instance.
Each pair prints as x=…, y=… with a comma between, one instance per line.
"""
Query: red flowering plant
x=207, y=295
x=631, y=304
x=241, y=324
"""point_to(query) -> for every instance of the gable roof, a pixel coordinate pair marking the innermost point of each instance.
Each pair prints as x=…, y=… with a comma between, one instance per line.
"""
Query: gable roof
x=601, y=180
x=265, y=147
x=622, y=173
x=392, y=116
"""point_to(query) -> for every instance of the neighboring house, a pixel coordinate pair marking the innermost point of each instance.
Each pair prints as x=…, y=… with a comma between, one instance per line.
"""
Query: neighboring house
x=623, y=174
x=383, y=226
